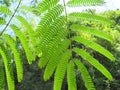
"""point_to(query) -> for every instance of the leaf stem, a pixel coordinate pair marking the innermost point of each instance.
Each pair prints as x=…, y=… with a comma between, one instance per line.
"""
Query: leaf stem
x=10, y=18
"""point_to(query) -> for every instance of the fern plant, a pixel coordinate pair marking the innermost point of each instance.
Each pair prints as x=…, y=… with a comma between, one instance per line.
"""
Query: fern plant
x=53, y=43
x=57, y=50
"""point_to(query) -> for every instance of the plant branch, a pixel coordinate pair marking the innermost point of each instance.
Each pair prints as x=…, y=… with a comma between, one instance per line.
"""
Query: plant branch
x=10, y=18
x=69, y=35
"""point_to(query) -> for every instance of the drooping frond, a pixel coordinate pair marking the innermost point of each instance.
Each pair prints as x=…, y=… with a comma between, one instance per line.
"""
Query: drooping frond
x=93, y=31
x=61, y=69
x=17, y=59
x=23, y=42
x=10, y=81
x=93, y=62
x=85, y=2
x=4, y=10
x=30, y=37
x=84, y=74
x=94, y=46
x=77, y=16
x=71, y=76
x=2, y=20
x=46, y=5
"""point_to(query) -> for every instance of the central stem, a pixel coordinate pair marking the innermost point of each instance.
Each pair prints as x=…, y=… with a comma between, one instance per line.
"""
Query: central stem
x=69, y=31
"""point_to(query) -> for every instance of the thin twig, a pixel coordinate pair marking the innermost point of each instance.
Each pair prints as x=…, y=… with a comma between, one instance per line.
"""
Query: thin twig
x=65, y=11
x=10, y=18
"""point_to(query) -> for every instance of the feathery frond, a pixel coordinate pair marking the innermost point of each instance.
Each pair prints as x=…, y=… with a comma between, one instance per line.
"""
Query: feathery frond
x=71, y=76
x=94, y=46
x=23, y=42
x=17, y=59
x=85, y=74
x=93, y=31
x=93, y=62
x=85, y=2
x=61, y=69
x=9, y=77
x=77, y=16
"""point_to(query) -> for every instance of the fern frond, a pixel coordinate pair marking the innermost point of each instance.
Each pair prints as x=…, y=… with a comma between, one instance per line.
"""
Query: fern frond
x=48, y=18
x=85, y=75
x=93, y=31
x=57, y=52
x=77, y=16
x=2, y=20
x=85, y=2
x=71, y=76
x=44, y=59
x=4, y=10
x=30, y=36
x=93, y=62
x=23, y=42
x=61, y=70
x=10, y=81
x=17, y=59
x=46, y=5
x=94, y=46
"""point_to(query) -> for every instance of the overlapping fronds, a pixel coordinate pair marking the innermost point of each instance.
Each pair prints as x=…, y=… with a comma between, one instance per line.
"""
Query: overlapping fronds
x=93, y=62
x=23, y=42
x=93, y=31
x=77, y=16
x=10, y=81
x=61, y=69
x=4, y=10
x=85, y=2
x=85, y=74
x=94, y=46
x=17, y=59
x=46, y=5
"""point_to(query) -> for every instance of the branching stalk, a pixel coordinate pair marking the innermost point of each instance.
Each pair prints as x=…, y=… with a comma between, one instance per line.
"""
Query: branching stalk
x=10, y=18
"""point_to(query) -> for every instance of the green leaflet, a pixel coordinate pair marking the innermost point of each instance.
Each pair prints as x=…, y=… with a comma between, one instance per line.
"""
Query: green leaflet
x=4, y=10
x=10, y=80
x=92, y=31
x=17, y=59
x=60, y=71
x=24, y=43
x=46, y=5
x=85, y=74
x=2, y=21
x=77, y=16
x=71, y=76
x=93, y=62
x=85, y=2
x=94, y=46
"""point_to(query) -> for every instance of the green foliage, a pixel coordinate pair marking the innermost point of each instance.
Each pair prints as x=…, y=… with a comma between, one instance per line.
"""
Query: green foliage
x=8, y=72
x=85, y=74
x=17, y=59
x=53, y=44
x=85, y=2
x=4, y=10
